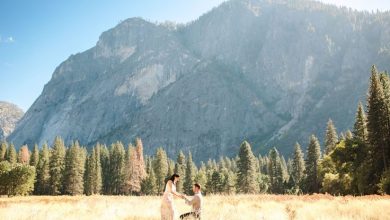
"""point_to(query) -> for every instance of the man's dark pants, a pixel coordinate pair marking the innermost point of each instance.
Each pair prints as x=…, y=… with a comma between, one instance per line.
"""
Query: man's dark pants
x=190, y=215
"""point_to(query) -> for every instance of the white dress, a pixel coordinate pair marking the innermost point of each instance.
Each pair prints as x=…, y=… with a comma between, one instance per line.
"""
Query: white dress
x=168, y=211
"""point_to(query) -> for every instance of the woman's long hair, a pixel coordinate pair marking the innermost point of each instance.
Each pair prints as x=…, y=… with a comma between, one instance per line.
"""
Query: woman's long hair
x=173, y=177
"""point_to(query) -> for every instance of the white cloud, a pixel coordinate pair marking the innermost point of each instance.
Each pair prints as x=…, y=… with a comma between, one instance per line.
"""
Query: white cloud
x=7, y=40
x=10, y=40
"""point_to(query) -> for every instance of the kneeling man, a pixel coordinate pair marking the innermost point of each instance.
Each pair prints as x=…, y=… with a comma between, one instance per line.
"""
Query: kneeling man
x=195, y=202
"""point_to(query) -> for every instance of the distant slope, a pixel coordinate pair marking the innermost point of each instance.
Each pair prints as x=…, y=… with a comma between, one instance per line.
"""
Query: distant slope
x=10, y=114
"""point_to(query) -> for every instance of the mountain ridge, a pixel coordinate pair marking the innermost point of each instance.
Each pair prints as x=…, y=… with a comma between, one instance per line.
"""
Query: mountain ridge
x=270, y=72
x=10, y=114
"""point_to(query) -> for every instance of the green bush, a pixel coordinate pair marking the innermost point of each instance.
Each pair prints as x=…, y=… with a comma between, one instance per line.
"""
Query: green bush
x=384, y=184
x=17, y=179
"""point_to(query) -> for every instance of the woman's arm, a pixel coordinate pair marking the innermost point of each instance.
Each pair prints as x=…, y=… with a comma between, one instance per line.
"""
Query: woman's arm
x=174, y=191
x=178, y=194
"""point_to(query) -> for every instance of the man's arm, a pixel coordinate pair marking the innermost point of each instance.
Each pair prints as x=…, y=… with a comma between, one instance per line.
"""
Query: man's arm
x=192, y=201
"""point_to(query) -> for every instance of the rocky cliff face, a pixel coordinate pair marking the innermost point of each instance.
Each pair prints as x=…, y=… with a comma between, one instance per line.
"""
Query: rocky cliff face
x=10, y=114
x=271, y=72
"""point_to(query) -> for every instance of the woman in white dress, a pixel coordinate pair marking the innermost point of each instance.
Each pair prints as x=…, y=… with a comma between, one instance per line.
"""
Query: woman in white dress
x=168, y=211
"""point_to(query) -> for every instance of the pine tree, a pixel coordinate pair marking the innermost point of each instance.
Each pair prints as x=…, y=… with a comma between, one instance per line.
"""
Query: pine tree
x=360, y=163
x=97, y=168
x=137, y=166
x=117, y=165
x=57, y=166
x=348, y=135
x=312, y=165
x=24, y=155
x=74, y=170
x=331, y=138
x=3, y=151
x=140, y=159
x=129, y=168
x=171, y=169
x=105, y=163
x=216, y=184
x=34, y=159
x=88, y=176
x=298, y=166
x=160, y=169
x=148, y=186
x=229, y=182
x=377, y=131
x=93, y=172
x=190, y=175
x=360, y=126
x=11, y=154
x=247, y=175
x=385, y=80
x=42, y=185
x=275, y=171
x=201, y=178
x=285, y=174
x=180, y=169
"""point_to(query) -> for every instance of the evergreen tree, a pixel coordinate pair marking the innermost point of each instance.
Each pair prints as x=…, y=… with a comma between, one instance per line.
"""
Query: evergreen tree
x=57, y=166
x=285, y=174
x=24, y=155
x=216, y=182
x=34, y=159
x=312, y=165
x=137, y=166
x=298, y=166
x=289, y=167
x=105, y=163
x=74, y=170
x=3, y=151
x=228, y=163
x=141, y=173
x=11, y=154
x=275, y=171
x=42, y=185
x=360, y=126
x=148, y=186
x=160, y=169
x=117, y=165
x=360, y=163
x=190, y=175
x=229, y=183
x=247, y=175
x=135, y=175
x=377, y=131
x=171, y=169
x=201, y=178
x=88, y=176
x=180, y=169
x=385, y=80
x=93, y=172
x=348, y=135
x=331, y=138
x=97, y=171
x=129, y=169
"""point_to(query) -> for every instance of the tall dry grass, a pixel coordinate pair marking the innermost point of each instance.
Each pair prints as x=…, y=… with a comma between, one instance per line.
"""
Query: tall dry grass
x=215, y=207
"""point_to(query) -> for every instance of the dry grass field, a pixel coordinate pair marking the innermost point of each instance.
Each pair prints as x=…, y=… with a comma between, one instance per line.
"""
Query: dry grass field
x=215, y=207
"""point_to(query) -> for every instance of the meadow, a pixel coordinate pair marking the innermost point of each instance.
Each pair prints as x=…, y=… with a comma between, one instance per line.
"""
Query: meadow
x=273, y=207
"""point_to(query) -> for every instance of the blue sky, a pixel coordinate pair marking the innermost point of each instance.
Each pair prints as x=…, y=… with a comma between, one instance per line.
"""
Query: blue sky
x=36, y=36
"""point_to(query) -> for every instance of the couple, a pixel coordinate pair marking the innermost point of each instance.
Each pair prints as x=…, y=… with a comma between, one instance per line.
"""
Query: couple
x=168, y=211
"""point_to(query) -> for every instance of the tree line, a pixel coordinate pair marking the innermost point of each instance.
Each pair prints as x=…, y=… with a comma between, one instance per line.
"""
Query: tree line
x=355, y=162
